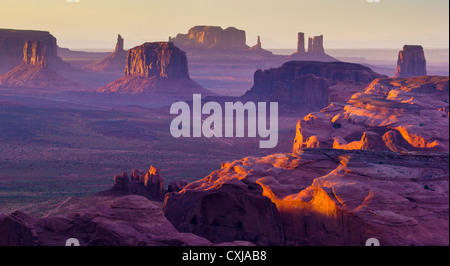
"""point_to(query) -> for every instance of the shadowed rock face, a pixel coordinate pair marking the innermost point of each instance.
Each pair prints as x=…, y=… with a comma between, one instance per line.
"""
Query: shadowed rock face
x=316, y=50
x=113, y=63
x=126, y=221
x=305, y=83
x=411, y=62
x=319, y=197
x=13, y=41
x=390, y=114
x=315, y=45
x=34, y=54
x=37, y=70
x=211, y=37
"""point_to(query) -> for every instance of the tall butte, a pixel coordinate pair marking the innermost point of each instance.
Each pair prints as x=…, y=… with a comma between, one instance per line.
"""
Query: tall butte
x=37, y=70
x=158, y=67
x=115, y=62
x=316, y=50
x=411, y=62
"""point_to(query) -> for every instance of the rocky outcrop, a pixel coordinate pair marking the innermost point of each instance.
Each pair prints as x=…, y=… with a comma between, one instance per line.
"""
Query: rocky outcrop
x=36, y=70
x=126, y=221
x=149, y=184
x=158, y=67
x=411, y=62
x=258, y=50
x=390, y=114
x=12, y=43
x=306, y=83
x=319, y=197
x=113, y=63
x=301, y=44
x=315, y=45
x=211, y=37
x=316, y=50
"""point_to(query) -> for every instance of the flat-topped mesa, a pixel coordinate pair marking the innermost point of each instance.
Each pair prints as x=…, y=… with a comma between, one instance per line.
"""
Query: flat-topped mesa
x=316, y=50
x=158, y=67
x=211, y=37
x=315, y=45
x=159, y=59
x=306, y=83
x=34, y=53
x=13, y=41
x=411, y=62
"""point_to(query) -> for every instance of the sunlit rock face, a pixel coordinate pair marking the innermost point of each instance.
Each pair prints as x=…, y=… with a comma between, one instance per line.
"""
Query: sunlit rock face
x=305, y=83
x=158, y=67
x=411, y=62
x=391, y=114
x=13, y=41
x=211, y=37
x=319, y=197
x=38, y=70
x=125, y=221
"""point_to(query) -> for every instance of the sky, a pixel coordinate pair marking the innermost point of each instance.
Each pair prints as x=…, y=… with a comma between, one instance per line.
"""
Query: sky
x=94, y=24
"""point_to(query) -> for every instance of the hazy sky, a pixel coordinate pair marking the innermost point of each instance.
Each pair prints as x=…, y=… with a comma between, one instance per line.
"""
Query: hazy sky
x=345, y=23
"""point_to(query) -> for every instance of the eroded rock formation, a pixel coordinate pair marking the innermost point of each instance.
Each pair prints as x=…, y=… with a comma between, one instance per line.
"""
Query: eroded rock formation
x=37, y=70
x=13, y=41
x=126, y=221
x=319, y=197
x=316, y=50
x=411, y=62
x=390, y=114
x=211, y=37
x=158, y=67
x=306, y=83
x=315, y=45
x=113, y=63
x=149, y=184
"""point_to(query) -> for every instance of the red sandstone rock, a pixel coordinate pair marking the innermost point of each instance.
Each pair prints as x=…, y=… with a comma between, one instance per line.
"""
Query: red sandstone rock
x=126, y=221
x=400, y=114
x=319, y=197
x=36, y=70
x=201, y=37
x=13, y=41
x=155, y=68
x=306, y=83
x=113, y=63
x=411, y=62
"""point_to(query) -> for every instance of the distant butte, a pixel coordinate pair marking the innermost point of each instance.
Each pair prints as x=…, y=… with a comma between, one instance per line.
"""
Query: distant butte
x=115, y=62
x=316, y=50
x=37, y=69
x=306, y=83
x=13, y=41
x=411, y=62
x=158, y=67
